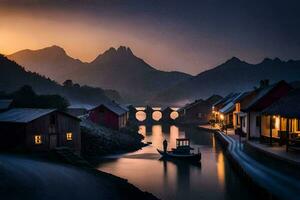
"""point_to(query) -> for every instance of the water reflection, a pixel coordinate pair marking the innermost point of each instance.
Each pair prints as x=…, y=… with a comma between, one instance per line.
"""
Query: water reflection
x=213, y=179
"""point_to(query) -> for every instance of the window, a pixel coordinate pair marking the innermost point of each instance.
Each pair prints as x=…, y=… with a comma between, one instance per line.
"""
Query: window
x=258, y=121
x=37, y=139
x=69, y=136
x=273, y=122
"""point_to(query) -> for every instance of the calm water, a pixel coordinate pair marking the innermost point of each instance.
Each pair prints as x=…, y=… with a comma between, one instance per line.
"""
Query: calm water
x=212, y=179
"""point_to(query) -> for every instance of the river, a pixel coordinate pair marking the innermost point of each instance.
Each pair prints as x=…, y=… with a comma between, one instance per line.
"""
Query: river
x=214, y=178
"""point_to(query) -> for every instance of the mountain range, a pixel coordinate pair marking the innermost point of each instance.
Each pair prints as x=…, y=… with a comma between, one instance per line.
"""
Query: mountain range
x=232, y=76
x=138, y=82
x=117, y=69
x=13, y=76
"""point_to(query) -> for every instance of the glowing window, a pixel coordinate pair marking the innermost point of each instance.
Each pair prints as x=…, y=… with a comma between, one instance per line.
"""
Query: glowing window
x=69, y=136
x=37, y=139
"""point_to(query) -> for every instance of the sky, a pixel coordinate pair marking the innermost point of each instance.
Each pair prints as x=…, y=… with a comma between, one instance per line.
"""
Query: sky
x=189, y=36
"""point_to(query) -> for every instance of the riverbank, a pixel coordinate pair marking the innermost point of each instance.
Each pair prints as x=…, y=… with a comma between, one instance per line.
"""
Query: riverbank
x=63, y=174
x=99, y=141
x=271, y=183
x=26, y=177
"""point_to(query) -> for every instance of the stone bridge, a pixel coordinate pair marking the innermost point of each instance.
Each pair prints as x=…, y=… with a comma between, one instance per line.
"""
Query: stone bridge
x=151, y=114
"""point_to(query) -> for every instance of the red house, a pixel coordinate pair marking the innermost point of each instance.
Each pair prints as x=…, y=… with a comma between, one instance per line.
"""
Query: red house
x=111, y=115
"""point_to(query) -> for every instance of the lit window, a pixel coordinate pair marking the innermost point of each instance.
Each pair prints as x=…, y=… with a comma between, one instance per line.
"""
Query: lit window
x=69, y=136
x=38, y=139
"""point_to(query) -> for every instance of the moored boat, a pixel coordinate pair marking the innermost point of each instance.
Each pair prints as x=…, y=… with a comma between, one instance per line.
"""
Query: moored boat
x=182, y=151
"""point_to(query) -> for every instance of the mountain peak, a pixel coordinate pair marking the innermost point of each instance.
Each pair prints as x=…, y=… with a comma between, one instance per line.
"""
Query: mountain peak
x=271, y=61
x=119, y=53
x=53, y=50
x=233, y=60
x=124, y=50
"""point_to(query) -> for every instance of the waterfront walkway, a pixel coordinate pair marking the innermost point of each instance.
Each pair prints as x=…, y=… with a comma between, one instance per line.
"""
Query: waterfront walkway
x=275, y=182
x=278, y=152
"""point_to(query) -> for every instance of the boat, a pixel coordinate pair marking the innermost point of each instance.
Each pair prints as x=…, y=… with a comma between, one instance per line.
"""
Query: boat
x=181, y=152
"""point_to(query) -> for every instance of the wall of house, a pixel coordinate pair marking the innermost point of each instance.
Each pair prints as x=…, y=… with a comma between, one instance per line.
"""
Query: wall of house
x=104, y=117
x=123, y=119
x=39, y=126
x=254, y=127
x=66, y=125
x=275, y=128
x=295, y=126
x=244, y=124
x=199, y=112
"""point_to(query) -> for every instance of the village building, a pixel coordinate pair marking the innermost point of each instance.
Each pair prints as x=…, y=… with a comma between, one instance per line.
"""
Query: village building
x=5, y=104
x=217, y=106
x=110, y=115
x=39, y=129
x=227, y=112
x=255, y=102
x=199, y=111
x=280, y=122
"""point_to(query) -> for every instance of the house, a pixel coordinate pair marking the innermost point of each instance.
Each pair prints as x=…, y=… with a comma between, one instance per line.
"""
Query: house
x=111, y=115
x=5, y=104
x=197, y=112
x=281, y=121
x=256, y=102
x=219, y=105
x=227, y=112
x=237, y=113
x=39, y=129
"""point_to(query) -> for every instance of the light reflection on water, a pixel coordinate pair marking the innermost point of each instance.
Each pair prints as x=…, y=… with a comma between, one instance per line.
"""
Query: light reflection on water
x=213, y=179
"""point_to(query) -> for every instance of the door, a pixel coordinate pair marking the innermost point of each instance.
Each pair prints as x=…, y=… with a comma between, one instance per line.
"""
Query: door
x=53, y=141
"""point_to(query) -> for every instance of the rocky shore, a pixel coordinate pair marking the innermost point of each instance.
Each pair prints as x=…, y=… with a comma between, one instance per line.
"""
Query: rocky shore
x=99, y=141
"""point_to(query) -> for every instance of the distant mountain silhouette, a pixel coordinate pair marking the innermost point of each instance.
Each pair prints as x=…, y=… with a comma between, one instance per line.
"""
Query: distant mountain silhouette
x=52, y=62
x=13, y=77
x=233, y=75
x=118, y=69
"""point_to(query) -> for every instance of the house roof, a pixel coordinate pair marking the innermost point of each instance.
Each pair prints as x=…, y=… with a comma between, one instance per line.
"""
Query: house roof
x=5, y=103
x=23, y=115
x=219, y=104
x=26, y=115
x=287, y=106
x=190, y=105
x=230, y=103
x=114, y=107
x=260, y=93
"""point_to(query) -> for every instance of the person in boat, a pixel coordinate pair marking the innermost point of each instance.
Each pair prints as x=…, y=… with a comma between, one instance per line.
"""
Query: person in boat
x=165, y=145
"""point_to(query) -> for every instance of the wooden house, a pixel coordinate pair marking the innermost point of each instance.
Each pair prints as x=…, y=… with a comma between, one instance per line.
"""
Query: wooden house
x=280, y=121
x=215, y=109
x=259, y=100
x=197, y=112
x=39, y=129
x=226, y=113
x=111, y=115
